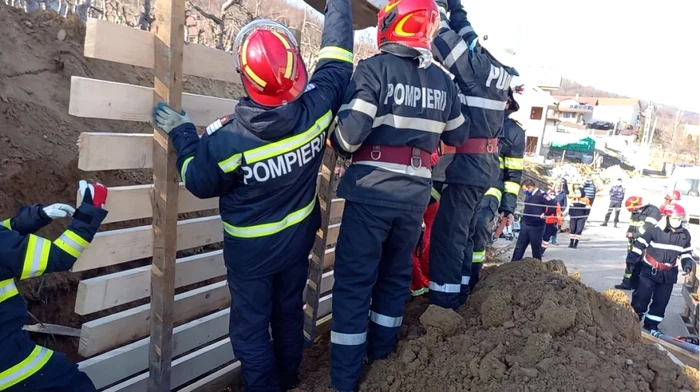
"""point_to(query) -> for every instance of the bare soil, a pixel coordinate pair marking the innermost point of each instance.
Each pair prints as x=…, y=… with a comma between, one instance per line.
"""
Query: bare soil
x=528, y=327
x=39, y=53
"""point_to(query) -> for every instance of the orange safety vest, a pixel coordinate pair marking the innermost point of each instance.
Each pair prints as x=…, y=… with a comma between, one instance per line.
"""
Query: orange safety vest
x=551, y=219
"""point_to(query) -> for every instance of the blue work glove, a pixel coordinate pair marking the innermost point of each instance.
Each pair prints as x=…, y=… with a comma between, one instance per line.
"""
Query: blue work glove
x=167, y=119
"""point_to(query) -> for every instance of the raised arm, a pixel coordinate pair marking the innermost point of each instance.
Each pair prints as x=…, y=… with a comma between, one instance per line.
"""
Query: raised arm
x=334, y=67
x=28, y=220
x=459, y=22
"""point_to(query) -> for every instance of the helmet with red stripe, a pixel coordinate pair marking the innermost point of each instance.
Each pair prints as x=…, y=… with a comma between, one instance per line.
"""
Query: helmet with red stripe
x=675, y=195
x=270, y=63
x=633, y=202
x=412, y=23
x=675, y=213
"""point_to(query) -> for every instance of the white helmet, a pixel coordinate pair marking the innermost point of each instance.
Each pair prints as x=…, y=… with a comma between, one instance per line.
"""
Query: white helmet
x=502, y=51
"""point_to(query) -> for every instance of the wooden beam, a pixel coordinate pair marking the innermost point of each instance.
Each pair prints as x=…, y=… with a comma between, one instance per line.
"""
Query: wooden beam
x=333, y=232
x=52, y=329
x=116, y=329
x=186, y=368
x=135, y=202
x=135, y=243
x=114, y=151
x=168, y=49
x=123, y=44
x=329, y=259
x=106, y=291
x=126, y=361
x=92, y=98
x=337, y=206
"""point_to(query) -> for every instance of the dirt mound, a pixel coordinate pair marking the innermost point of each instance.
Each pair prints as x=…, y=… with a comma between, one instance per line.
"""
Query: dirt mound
x=528, y=327
x=39, y=52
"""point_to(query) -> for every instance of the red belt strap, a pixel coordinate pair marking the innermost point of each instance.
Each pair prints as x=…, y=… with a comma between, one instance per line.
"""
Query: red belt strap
x=401, y=155
x=658, y=265
x=473, y=146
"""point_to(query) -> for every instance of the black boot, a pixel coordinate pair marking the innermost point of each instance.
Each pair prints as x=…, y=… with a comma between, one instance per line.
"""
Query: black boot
x=571, y=243
x=575, y=244
x=605, y=224
x=625, y=285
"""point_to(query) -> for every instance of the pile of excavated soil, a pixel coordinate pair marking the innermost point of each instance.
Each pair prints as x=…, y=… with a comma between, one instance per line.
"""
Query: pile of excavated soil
x=528, y=327
x=39, y=53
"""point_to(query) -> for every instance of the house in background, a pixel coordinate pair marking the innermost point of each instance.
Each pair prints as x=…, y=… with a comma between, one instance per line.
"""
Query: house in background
x=534, y=104
x=577, y=110
x=615, y=110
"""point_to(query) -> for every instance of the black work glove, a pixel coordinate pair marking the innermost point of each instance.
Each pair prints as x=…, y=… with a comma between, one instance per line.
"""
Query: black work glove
x=454, y=4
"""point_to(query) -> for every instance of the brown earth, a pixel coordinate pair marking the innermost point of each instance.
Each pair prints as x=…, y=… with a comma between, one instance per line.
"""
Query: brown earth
x=528, y=327
x=39, y=53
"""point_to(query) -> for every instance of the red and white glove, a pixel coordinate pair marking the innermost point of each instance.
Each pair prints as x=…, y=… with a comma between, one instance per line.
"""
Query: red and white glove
x=93, y=193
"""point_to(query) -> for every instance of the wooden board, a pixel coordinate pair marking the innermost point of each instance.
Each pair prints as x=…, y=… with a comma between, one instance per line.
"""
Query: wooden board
x=329, y=259
x=114, y=151
x=106, y=291
x=119, y=246
x=333, y=231
x=185, y=368
x=116, y=329
x=123, y=362
x=92, y=98
x=126, y=45
x=217, y=381
x=135, y=202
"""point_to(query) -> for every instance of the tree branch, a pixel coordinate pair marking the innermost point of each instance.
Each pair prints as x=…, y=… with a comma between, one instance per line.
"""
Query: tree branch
x=207, y=15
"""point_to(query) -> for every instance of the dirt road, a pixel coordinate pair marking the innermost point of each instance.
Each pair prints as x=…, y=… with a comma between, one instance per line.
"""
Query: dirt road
x=600, y=257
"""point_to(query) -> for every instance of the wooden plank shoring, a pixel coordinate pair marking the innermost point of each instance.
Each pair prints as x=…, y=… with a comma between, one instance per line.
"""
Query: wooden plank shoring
x=135, y=243
x=126, y=45
x=93, y=98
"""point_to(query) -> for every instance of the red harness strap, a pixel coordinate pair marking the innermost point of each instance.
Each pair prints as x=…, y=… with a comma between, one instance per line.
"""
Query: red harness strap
x=474, y=146
x=401, y=155
x=658, y=265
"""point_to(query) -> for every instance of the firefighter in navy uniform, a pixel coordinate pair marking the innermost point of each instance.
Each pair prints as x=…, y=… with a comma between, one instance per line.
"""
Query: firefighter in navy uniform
x=658, y=251
x=397, y=109
x=24, y=366
x=643, y=218
x=483, y=71
x=537, y=206
x=502, y=197
x=262, y=162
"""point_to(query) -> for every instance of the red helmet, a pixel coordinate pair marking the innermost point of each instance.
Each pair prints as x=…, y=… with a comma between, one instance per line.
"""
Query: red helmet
x=409, y=22
x=675, y=195
x=674, y=210
x=270, y=64
x=633, y=202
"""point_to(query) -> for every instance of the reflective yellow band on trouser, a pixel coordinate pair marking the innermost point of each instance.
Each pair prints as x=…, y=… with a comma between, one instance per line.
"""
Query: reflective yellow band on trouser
x=478, y=257
x=335, y=53
x=8, y=289
x=6, y=224
x=435, y=194
x=71, y=243
x=514, y=163
x=495, y=192
x=267, y=229
x=36, y=257
x=25, y=369
x=501, y=163
x=512, y=187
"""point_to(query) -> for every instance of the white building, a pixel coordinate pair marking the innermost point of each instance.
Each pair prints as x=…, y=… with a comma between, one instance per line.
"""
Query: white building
x=614, y=110
x=534, y=103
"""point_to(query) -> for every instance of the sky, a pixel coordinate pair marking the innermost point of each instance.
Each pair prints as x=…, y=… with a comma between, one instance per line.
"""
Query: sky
x=643, y=49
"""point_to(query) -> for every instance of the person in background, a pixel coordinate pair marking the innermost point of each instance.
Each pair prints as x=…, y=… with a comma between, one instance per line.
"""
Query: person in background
x=590, y=190
x=562, y=191
x=658, y=251
x=552, y=221
x=578, y=213
x=617, y=196
x=24, y=366
x=643, y=218
x=537, y=205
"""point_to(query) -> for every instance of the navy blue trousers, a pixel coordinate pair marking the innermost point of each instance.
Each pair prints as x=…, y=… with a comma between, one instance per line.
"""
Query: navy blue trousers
x=57, y=375
x=530, y=235
x=373, y=263
x=488, y=208
x=267, y=325
x=450, y=242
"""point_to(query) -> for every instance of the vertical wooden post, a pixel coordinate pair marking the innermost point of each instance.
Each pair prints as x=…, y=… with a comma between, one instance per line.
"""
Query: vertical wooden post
x=169, y=43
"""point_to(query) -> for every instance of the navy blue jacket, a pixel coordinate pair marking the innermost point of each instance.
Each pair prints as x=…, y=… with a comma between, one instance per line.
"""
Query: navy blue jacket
x=511, y=150
x=617, y=194
x=536, y=204
x=665, y=245
x=483, y=84
x=263, y=162
x=24, y=255
x=393, y=102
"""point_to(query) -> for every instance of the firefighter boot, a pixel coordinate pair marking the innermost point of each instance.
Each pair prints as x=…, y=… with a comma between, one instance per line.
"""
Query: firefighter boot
x=575, y=244
x=625, y=285
x=571, y=243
